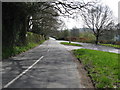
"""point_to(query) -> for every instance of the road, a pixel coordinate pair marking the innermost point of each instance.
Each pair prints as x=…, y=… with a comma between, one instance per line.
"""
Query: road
x=93, y=47
x=49, y=65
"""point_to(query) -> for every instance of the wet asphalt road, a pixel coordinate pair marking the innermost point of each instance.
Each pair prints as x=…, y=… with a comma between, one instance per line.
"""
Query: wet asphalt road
x=56, y=69
x=92, y=46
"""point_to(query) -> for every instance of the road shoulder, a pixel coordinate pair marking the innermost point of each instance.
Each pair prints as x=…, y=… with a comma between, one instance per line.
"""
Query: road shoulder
x=85, y=79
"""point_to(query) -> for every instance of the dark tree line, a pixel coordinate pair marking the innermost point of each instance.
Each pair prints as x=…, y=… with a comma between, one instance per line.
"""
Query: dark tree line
x=13, y=21
x=17, y=17
x=36, y=17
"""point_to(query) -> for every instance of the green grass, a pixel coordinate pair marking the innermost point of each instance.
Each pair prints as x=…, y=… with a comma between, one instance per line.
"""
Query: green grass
x=72, y=44
x=101, y=66
x=111, y=45
x=18, y=49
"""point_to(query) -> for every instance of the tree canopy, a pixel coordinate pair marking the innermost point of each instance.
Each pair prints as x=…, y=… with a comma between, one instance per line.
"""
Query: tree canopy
x=37, y=17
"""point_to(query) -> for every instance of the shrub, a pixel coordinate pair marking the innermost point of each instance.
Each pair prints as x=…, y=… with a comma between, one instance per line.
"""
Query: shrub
x=117, y=43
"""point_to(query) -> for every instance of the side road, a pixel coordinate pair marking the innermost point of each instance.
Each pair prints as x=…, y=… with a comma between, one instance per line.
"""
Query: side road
x=93, y=47
x=49, y=65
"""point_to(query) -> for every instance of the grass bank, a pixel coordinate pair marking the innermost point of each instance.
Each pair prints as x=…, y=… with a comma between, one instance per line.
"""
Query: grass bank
x=102, y=67
x=111, y=45
x=19, y=49
x=72, y=44
x=32, y=40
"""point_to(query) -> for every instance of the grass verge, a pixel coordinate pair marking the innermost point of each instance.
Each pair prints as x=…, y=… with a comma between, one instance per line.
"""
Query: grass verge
x=18, y=49
x=111, y=45
x=102, y=67
x=72, y=44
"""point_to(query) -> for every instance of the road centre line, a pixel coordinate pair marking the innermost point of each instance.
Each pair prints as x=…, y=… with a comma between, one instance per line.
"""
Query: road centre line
x=23, y=73
x=48, y=50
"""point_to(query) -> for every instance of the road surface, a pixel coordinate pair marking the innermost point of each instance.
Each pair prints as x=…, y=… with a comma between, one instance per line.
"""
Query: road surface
x=92, y=46
x=49, y=65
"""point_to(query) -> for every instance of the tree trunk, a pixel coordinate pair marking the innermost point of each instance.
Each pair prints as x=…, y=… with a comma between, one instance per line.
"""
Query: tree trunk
x=23, y=32
x=97, y=39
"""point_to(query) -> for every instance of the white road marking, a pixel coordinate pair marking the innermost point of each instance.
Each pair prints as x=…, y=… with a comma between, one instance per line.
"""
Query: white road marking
x=48, y=50
x=22, y=73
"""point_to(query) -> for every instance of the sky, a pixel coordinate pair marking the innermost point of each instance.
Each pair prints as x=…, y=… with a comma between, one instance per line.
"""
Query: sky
x=113, y=5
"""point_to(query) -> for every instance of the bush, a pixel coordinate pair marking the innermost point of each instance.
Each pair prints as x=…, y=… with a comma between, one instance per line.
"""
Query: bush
x=86, y=40
x=117, y=43
x=31, y=37
x=72, y=38
x=87, y=37
x=109, y=42
x=103, y=41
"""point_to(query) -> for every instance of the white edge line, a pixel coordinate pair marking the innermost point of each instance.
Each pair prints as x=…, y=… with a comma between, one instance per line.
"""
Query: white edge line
x=22, y=73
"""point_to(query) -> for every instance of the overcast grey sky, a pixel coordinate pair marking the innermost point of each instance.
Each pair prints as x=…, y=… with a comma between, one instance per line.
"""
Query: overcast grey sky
x=113, y=5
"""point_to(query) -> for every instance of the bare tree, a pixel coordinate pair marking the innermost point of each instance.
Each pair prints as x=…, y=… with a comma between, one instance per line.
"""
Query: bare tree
x=68, y=8
x=98, y=19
